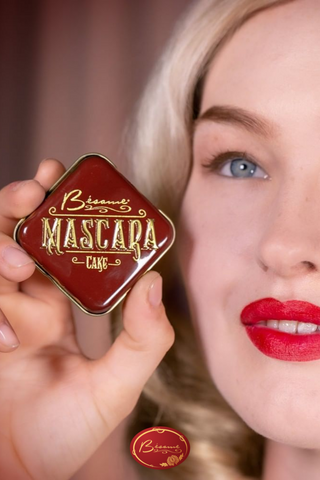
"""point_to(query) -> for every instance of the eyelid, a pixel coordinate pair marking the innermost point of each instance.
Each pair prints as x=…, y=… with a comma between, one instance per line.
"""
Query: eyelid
x=215, y=162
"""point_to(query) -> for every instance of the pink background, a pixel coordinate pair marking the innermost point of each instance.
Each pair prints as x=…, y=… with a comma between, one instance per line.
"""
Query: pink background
x=71, y=72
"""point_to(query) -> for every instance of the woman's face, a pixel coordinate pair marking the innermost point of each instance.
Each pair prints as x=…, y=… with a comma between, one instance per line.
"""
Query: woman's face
x=250, y=228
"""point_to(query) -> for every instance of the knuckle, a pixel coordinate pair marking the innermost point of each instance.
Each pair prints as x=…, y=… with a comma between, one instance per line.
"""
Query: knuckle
x=132, y=343
x=163, y=338
x=168, y=337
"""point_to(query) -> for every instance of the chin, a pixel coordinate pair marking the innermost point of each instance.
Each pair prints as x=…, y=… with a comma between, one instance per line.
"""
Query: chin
x=281, y=407
x=284, y=425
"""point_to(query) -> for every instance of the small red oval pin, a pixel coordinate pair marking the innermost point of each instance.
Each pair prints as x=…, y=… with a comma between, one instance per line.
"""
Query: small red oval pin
x=160, y=447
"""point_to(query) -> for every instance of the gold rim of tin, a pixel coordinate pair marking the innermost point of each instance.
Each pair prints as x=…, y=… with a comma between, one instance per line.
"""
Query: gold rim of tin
x=51, y=277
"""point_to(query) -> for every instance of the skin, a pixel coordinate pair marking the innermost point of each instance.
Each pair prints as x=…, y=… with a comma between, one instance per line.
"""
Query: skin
x=57, y=407
x=254, y=237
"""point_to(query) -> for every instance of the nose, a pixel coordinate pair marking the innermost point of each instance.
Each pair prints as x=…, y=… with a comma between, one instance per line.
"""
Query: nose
x=290, y=243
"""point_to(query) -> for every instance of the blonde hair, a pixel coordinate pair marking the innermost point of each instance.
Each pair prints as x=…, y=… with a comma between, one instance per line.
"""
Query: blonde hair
x=181, y=393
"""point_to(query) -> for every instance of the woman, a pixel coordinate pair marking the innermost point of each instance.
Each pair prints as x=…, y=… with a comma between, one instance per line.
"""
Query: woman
x=237, y=94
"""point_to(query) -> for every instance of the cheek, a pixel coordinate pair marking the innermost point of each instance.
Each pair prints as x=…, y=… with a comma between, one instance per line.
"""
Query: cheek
x=215, y=252
x=213, y=257
x=214, y=246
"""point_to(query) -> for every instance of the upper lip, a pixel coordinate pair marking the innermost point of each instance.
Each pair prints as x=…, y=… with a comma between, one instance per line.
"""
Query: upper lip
x=272, y=309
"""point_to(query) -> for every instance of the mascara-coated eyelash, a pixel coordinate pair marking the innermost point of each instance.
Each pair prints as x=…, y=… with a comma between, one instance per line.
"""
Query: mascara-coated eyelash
x=216, y=162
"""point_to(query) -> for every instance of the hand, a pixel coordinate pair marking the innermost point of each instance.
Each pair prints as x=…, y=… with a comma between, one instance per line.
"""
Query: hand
x=57, y=406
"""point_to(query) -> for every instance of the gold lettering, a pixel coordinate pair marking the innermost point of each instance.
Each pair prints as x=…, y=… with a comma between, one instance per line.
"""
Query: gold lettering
x=106, y=202
x=96, y=263
x=88, y=260
x=118, y=237
x=135, y=231
x=127, y=236
x=51, y=237
x=87, y=240
x=105, y=223
x=70, y=239
x=147, y=443
x=150, y=241
x=167, y=446
x=75, y=198
x=99, y=264
x=102, y=264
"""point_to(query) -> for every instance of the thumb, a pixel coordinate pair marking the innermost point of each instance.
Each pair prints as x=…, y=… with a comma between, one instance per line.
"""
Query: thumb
x=119, y=377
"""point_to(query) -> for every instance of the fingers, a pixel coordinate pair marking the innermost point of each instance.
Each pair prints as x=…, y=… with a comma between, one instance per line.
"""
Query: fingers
x=19, y=199
x=15, y=263
x=49, y=171
x=119, y=377
x=8, y=339
x=36, y=322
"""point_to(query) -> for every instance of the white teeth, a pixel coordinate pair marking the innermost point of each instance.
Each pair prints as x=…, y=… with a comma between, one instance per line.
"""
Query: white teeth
x=273, y=323
x=291, y=326
x=306, y=327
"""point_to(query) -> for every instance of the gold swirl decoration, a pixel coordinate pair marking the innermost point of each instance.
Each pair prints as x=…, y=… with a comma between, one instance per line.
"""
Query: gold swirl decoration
x=121, y=209
x=52, y=210
x=116, y=263
x=75, y=260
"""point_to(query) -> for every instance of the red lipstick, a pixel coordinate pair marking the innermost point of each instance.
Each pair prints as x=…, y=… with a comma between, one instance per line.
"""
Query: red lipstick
x=294, y=347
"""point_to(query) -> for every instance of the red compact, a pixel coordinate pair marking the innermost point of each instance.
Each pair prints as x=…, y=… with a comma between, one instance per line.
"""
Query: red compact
x=95, y=234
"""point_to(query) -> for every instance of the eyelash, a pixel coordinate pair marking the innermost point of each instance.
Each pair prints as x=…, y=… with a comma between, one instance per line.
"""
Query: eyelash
x=216, y=162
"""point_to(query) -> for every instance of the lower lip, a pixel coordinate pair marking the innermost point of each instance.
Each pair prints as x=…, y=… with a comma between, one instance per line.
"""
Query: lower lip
x=285, y=346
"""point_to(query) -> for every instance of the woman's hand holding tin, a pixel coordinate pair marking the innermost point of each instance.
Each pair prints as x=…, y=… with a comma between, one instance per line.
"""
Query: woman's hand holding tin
x=57, y=406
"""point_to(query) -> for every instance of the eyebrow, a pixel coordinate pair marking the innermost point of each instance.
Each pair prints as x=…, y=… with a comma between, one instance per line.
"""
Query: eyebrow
x=240, y=117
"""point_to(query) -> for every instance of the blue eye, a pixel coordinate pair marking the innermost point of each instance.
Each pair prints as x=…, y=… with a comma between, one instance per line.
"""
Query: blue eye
x=234, y=164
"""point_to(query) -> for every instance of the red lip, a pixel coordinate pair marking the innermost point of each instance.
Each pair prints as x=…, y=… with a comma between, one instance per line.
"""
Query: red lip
x=277, y=344
x=272, y=309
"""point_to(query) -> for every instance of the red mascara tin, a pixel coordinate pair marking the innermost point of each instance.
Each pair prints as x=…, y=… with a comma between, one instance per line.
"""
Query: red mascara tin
x=95, y=234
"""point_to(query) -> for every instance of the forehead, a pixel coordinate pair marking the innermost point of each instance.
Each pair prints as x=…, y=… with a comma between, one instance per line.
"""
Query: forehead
x=269, y=63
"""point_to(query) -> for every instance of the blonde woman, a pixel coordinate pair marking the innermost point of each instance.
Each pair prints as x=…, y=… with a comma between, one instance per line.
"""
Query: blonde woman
x=227, y=142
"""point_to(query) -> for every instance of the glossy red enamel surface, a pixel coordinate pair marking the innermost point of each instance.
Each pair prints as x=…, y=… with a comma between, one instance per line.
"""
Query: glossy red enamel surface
x=95, y=234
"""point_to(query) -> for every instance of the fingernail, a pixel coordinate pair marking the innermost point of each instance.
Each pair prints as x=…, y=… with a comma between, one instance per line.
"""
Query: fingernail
x=8, y=339
x=15, y=257
x=155, y=292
